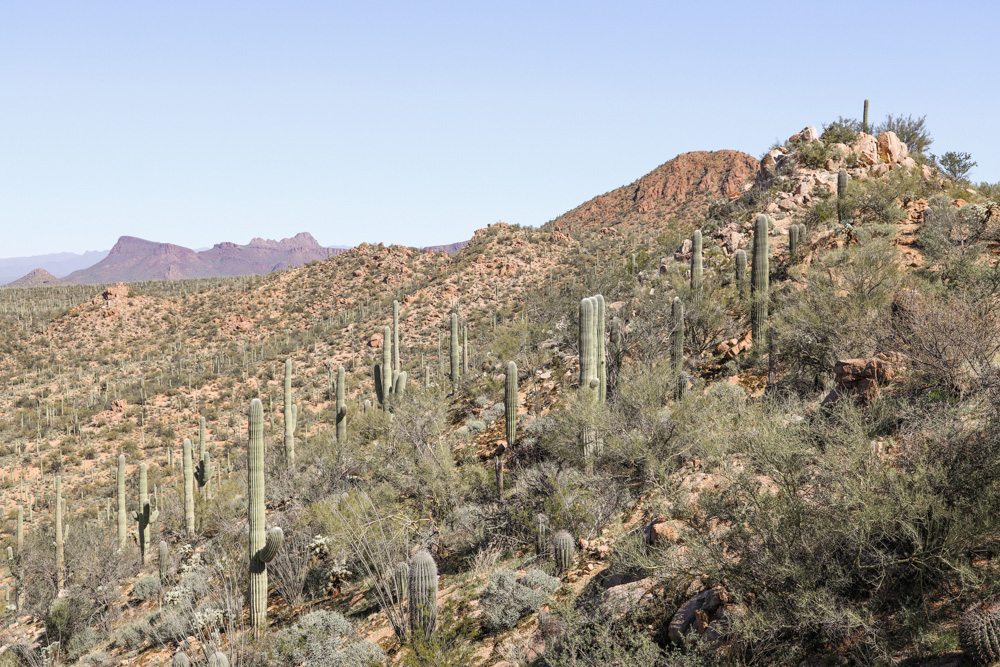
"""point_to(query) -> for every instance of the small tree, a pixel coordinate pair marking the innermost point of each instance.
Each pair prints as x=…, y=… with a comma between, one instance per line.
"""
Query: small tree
x=911, y=131
x=956, y=165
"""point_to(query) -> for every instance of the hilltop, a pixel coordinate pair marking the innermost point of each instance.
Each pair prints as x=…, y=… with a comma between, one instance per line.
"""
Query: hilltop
x=36, y=278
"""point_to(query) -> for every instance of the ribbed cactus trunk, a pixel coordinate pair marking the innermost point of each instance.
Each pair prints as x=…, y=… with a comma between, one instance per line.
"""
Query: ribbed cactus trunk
x=290, y=417
x=759, y=284
x=423, y=594
x=145, y=516
x=841, y=193
x=263, y=545
x=465, y=350
x=864, y=121
x=697, y=272
x=793, y=244
x=742, y=283
x=122, y=517
x=510, y=403
x=454, y=344
x=60, y=556
x=677, y=344
x=188, y=488
x=395, y=336
x=341, y=405
x=161, y=562
x=602, y=351
x=202, y=445
x=563, y=550
x=589, y=382
x=387, y=368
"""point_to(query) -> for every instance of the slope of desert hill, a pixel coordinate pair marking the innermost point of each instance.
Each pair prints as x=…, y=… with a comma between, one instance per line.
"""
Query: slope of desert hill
x=681, y=188
x=37, y=278
x=133, y=259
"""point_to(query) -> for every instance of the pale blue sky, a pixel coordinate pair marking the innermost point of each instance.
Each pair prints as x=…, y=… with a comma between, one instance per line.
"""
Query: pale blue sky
x=416, y=123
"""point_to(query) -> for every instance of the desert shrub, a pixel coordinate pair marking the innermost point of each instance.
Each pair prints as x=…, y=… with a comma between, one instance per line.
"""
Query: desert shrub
x=66, y=616
x=911, y=131
x=83, y=640
x=170, y=625
x=507, y=599
x=841, y=131
x=578, y=636
x=322, y=639
x=132, y=635
x=146, y=588
x=814, y=154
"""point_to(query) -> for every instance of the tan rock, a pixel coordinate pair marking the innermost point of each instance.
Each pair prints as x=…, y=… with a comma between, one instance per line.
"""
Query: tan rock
x=890, y=148
x=807, y=134
x=375, y=341
x=770, y=161
x=866, y=148
x=665, y=532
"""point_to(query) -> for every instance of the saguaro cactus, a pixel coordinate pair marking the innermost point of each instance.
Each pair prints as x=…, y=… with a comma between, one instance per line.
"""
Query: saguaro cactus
x=510, y=403
x=202, y=444
x=793, y=244
x=602, y=351
x=263, y=546
x=399, y=383
x=291, y=413
x=161, y=562
x=341, y=405
x=387, y=371
x=423, y=594
x=188, y=488
x=541, y=534
x=60, y=558
x=742, y=284
x=841, y=193
x=589, y=381
x=395, y=336
x=122, y=525
x=697, y=273
x=564, y=550
x=145, y=515
x=864, y=122
x=759, y=283
x=455, y=360
x=677, y=343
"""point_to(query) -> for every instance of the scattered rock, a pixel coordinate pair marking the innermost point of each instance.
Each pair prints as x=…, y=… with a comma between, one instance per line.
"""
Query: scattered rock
x=705, y=613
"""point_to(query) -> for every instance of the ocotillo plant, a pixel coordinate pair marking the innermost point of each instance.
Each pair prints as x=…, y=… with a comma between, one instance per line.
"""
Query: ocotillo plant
x=262, y=546
x=697, y=274
x=759, y=284
x=188, y=488
x=563, y=550
x=423, y=594
x=145, y=515
x=122, y=526
x=742, y=284
x=510, y=403
x=395, y=336
x=60, y=558
x=291, y=412
x=841, y=193
x=677, y=343
x=341, y=405
x=455, y=361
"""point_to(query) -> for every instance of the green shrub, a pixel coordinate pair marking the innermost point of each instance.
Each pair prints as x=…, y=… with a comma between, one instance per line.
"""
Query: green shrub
x=133, y=635
x=146, y=588
x=321, y=639
x=82, y=641
x=841, y=131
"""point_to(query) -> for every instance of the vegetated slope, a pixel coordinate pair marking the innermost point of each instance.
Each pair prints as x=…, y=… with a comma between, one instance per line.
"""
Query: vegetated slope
x=36, y=278
x=699, y=499
x=134, y=259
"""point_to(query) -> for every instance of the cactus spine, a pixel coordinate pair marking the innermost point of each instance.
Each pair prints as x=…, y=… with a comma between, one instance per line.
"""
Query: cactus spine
x=423, y=594
x=60, y=557
x=759, y=284
x=841, y=193
x=979, y=632
x=697, y=273
x=161, y=561
x=742, y=284
x=455, y=369
x=510, y=403
x=122, y=526
x=291, y=411
x=145, y=515
x=341, y=405
x=262, y=547
x=563, y=550
x=677, y=344
x=395, y=336
x=188, y=487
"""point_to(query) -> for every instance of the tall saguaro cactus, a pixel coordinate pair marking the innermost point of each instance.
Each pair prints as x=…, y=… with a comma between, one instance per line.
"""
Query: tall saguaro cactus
x=60, y=556
x=510, y=403
x=291, y=413
x=188, y=488
x=341, y=405
x=742, y=284
x=864, y=122
x=697, y=272
x=395, y=336
x=602, y=351
x=387, y=369
x=841, y=193
x=20, y=528
x=423, y=594
x=759, y=283
x=120, y=483
x=454, y=344
x=263, y=545
x=145, y=515
x=589, y=381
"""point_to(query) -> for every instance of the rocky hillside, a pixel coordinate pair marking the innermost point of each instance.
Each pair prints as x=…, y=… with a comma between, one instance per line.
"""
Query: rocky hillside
x=37, y=278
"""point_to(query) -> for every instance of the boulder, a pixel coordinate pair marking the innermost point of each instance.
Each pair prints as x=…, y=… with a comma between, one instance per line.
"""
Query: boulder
x=704, y=611
x=807, y=134
x=375, y=341
x=770, y=161
x=866, y=148
x=890, y=148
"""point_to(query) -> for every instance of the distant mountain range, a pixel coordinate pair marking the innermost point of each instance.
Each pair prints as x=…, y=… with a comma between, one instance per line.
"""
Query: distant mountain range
x=134, y=259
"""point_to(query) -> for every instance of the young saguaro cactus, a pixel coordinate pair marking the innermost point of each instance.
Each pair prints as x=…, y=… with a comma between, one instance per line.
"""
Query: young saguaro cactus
x=60, y=557
x=423, y=594
x=759, y=283
x=564, y=551
x=864, y=121
x=161, y=562
x=122, y=525
x=742, y=284
x=263, y=545
x=291, y=413
x=455, y=356
x=181, y=659
x=145, y=515
x=204, y=471
x=841, y=193
x=793, y=244
x=399, y=383
x=341, y=405
x=697, y=272
x=188, y=488
x=510, y=403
